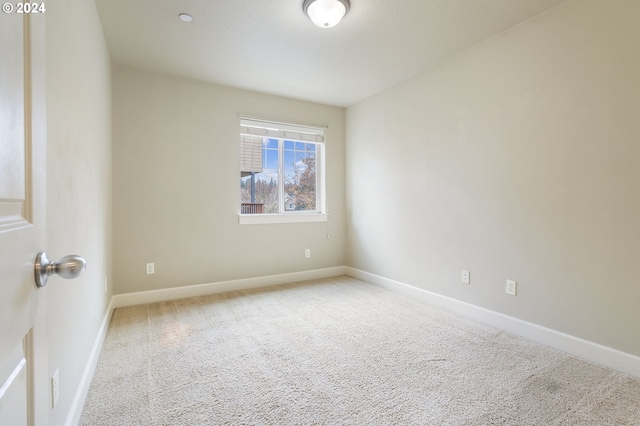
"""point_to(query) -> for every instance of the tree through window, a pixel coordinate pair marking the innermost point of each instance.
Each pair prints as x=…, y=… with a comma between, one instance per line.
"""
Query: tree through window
x=280, y=168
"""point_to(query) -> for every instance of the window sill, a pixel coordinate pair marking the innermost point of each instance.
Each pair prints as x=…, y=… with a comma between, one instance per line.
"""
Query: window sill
x=258, y=219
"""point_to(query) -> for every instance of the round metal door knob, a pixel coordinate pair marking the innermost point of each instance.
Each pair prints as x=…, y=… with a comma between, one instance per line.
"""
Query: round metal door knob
x=71, y=266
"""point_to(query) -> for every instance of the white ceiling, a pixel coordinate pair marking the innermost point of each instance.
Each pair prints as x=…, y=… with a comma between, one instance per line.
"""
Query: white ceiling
x=271, y=46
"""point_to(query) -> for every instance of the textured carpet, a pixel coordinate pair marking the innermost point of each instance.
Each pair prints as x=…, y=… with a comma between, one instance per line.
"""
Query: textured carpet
x=338, y=351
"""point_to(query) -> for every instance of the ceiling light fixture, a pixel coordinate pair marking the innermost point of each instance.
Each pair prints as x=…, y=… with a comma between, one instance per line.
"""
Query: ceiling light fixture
x=185, y=17
x=325, y=13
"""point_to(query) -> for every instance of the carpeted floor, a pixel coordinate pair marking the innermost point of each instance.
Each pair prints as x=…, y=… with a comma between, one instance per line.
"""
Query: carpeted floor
x=337, y=352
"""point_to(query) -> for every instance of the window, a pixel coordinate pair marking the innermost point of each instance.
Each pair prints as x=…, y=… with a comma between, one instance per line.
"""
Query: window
x=281, y=171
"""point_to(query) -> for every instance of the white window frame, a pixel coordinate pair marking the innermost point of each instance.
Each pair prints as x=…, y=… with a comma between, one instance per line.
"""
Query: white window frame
x=294, y=132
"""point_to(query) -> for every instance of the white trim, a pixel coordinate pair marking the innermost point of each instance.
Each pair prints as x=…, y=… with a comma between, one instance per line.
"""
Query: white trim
x=594, y=352
x=258, y=219
x=75, y=411
x=152, y=296
x=599, y=354
x=276, y=129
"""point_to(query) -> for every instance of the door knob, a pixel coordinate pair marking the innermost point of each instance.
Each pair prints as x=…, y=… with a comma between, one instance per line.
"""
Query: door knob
x=71, y=266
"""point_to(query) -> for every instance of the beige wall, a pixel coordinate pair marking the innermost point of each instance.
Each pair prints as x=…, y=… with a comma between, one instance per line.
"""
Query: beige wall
x=177, y=186
x=516, y=159
x=78, y=187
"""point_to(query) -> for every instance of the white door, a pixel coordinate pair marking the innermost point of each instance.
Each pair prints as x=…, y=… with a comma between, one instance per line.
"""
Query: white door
x=23, y=371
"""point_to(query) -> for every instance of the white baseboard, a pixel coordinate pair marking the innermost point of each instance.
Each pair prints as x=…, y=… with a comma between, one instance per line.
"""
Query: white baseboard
x=152, y=296
x=599, y=354
x=75, y=411
x=590, y=351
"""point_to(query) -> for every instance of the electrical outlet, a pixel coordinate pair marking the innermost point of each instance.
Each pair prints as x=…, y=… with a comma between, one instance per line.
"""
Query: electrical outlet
x=55, y=388
x=465, y=276
x=511, y=287
x=151, y=269
x=307, y=253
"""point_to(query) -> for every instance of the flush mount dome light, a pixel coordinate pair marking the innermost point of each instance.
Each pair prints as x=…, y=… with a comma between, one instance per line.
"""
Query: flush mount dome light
x=185, y=17
x=325, y=13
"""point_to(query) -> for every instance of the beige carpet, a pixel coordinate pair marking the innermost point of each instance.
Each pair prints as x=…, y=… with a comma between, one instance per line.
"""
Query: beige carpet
x=338, y=352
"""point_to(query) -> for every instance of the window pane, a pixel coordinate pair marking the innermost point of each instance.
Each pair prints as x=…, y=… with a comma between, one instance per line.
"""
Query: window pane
x=300, y=186
x=289, y=179
x=311, y=147
x=299, y=146
x=289, y=160
x=311, y=157
x=289, y=145
x=271, y=143
x=261, y=197
x=245, y=189
x=271, y=159
x=267, y=190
